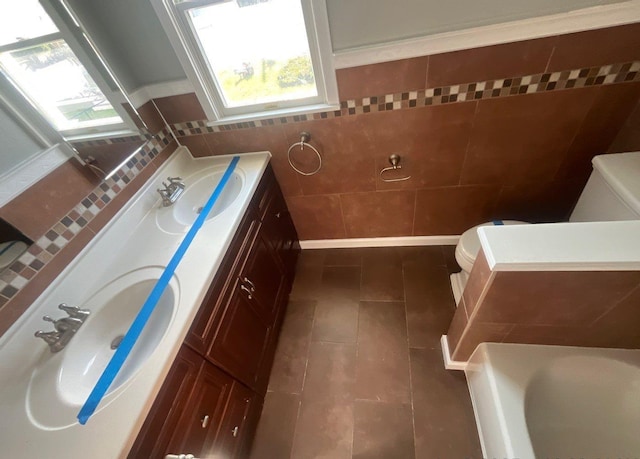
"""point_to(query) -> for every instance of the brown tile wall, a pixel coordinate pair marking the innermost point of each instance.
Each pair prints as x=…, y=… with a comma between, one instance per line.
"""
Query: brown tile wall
x=42, y=205
x=522, y=156
x=575, y=308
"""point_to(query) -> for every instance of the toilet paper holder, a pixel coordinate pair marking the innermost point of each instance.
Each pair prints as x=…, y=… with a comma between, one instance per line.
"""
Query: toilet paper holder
x=394, y=160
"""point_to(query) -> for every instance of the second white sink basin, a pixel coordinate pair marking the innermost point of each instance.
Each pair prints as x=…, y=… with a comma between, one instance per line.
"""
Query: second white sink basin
x=66, y=379
x=178, y=217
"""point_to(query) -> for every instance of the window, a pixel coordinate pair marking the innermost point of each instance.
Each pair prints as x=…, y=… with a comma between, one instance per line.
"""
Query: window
x=36, y=56
x=253, y=58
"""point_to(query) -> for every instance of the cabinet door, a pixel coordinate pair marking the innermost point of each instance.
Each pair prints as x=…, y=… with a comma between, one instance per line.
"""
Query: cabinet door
x=281, y=233
x=240, y=344
x=161, y=428
x=202, y=416
x=236, y=429
x=206, y=321
x=262, y=278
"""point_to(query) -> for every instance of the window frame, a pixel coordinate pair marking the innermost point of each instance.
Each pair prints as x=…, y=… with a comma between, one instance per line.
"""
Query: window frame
x=71, y=33
x=177, y=26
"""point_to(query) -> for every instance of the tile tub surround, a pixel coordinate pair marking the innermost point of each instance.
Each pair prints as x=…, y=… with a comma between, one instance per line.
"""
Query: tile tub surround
x=78, y=209
x=505, y=131
x=358, y=370
x=571, y=308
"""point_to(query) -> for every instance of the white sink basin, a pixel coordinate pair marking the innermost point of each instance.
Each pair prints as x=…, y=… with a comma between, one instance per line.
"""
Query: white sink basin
x=178, y=217
x=66, y=379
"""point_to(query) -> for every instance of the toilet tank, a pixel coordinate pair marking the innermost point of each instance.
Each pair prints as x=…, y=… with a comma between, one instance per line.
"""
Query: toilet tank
x=613, y=190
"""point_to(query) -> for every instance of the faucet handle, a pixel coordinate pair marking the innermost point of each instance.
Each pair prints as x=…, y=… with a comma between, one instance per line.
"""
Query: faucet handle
x=49, y=337
x=74, y=311
x=174, y=179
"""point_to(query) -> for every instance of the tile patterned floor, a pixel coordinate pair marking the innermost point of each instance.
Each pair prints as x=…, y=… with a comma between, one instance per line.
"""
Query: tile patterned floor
x=358, y=371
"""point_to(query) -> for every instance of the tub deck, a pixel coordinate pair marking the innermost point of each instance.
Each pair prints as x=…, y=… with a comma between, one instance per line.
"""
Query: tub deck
x=535, y=401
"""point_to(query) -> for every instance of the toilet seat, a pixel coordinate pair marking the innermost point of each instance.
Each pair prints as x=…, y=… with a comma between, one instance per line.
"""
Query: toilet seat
x=469, y=243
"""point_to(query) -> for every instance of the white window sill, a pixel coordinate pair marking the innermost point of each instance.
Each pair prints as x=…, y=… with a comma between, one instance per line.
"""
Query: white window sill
x=308, y=109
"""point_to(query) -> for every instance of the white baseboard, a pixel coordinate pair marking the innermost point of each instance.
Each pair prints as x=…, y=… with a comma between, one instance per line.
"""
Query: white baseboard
x=595, y=17
x=379, y=242
x=446, y=356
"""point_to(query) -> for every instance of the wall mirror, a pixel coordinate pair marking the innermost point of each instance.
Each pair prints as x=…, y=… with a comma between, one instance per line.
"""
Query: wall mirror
x=58, y=99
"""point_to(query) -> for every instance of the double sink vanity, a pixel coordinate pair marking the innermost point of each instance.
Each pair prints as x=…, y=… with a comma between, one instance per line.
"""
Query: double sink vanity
x=195, y=380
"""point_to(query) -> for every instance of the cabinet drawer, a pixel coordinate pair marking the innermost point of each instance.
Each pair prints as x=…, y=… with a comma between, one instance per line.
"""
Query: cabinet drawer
x=203, y=414
x=236, y=428
x=160, y=432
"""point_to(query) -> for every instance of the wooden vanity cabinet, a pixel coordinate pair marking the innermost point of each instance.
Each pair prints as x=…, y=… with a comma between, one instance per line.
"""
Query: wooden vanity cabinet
x=211, y=400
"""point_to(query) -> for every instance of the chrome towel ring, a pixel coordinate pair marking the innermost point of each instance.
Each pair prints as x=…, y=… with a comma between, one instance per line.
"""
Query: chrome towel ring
x=304, y=142
x=395, y=165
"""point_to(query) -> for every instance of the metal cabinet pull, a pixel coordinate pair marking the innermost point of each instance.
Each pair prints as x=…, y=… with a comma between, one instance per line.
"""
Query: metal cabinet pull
x=205, y=421
x=249, y=283
x=245, y=289
x=234, y=431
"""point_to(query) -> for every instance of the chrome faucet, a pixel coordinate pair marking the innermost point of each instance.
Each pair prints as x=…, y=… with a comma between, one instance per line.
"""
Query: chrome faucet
x=171, y=191
x=65, y=327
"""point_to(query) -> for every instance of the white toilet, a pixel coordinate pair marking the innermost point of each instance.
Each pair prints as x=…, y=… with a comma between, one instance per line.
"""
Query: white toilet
x=612, y=193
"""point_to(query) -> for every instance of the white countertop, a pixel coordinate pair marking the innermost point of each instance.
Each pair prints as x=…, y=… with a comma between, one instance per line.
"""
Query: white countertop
x=36, y=419
x=605, y=246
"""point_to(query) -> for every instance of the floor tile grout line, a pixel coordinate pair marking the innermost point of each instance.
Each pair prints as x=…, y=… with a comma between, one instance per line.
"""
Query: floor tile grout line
x=406, y=320
x=304, y=379
x=355, y=370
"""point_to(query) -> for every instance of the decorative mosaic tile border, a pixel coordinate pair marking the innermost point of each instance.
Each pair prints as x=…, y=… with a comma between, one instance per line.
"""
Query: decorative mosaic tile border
x=528, y=84
x=18, y=275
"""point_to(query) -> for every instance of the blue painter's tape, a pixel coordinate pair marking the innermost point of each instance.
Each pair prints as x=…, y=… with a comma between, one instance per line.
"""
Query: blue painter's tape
x=497, y=222
x=127, y=343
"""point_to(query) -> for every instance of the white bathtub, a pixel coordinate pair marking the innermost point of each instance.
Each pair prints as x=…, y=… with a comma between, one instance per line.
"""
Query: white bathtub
x=533, y=401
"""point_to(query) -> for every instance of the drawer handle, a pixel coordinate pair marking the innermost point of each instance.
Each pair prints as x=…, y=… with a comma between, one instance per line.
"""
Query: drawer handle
x=249, y=283
x=245, y=289
x=234, y=431
x=205, y=421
